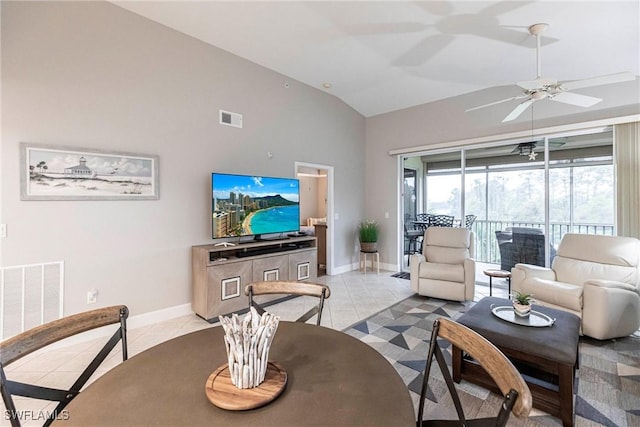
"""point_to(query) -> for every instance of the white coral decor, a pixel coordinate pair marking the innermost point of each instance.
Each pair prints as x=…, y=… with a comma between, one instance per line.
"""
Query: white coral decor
x=248, y=341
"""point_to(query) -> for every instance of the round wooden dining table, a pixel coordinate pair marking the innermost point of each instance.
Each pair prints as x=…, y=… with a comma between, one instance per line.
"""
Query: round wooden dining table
x=332, y=379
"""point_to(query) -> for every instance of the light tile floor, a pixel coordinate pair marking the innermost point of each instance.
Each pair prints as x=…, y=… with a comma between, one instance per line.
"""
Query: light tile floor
x=354, y=296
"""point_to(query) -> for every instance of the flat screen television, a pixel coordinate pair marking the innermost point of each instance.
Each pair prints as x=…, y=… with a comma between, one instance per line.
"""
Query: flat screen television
x=250, y=205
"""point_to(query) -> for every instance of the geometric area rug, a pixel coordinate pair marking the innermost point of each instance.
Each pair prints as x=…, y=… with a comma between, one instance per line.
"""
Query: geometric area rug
x=607, y=381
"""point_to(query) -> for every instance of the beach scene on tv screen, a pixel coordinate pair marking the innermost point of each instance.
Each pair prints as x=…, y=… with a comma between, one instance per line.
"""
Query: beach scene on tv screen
x=251, y=205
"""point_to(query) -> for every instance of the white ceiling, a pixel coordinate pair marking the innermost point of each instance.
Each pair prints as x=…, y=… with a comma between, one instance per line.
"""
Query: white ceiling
x=385, y=56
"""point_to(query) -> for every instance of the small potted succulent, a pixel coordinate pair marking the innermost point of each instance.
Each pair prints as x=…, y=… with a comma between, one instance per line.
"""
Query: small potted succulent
x=368, y=235
x=522, y=303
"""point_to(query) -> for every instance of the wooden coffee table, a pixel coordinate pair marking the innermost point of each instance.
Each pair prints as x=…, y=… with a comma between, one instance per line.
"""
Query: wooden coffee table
x=547, y=357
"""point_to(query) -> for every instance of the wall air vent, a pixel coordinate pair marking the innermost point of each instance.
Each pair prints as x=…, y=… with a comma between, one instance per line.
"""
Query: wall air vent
x=230, y=119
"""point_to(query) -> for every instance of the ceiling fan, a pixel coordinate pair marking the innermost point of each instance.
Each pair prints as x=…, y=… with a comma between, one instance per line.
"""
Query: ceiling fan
x=527, y=148
x=547, y=88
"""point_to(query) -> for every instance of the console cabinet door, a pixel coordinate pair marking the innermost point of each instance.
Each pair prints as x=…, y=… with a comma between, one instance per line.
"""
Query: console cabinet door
x=303, y=266
x=226, y=287
x=271, y=268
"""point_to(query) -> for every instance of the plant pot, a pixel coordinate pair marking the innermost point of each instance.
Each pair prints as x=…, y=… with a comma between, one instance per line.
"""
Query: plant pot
x=369, y=246
x=521, y=309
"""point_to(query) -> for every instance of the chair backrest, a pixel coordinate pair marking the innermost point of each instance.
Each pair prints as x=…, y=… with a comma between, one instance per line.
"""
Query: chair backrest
x=582, y=257
x=516, y=393
x=469, y=220
x=425, y=220
x=526, y=230
x=317, y=290
x=448, y=245
x=441, y=221
x=507, y=250
x=27, y=342
x=529, y=247
x=503, y=236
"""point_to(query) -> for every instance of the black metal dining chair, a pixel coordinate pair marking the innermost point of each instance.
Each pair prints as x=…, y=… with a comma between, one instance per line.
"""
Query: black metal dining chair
x=423, y=220
x=317, y=290
x=441, y=221
x=27, y=342
x=469, y=220
x=413, y=237
x=514, y=390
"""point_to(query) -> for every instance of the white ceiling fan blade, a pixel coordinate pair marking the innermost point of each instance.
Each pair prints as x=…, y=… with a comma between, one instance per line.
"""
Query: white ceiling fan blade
x=497, y=102
x=538, y=83
x=518, y=110
x=601, y=80
x=576, y=99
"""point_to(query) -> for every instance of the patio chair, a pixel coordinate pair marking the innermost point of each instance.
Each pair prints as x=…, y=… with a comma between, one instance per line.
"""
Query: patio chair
x=423, y=220
x=514, y=390
x=441, y=221
x=469, y=220
x=293, y=289
x=412, y=237
x=522, y=245
x=27, y=342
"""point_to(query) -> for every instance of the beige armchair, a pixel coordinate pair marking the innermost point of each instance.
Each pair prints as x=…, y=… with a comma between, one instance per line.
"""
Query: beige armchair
x=595, y=277
x=446, y=268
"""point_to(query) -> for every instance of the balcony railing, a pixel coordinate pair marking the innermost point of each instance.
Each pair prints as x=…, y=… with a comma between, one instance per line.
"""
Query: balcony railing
x=487, y=246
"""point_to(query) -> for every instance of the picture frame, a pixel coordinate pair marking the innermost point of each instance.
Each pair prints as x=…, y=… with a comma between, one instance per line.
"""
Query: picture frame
x=73, y=173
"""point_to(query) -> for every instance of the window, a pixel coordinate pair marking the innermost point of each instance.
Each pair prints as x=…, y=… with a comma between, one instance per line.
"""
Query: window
x=505, y=186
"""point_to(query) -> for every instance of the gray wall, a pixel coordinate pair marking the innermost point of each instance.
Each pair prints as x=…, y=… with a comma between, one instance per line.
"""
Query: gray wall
x=92, y=75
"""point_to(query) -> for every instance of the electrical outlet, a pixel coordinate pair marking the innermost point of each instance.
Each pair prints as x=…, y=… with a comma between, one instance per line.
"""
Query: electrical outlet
x=92, y=296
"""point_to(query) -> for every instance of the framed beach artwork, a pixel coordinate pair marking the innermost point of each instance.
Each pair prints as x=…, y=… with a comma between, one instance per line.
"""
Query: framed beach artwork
x=71, y=173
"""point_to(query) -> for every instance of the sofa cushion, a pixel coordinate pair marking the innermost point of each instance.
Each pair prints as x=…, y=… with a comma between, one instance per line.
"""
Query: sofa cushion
x=442, y=255
x=448, y=237
x=442, y=289
x=614, y=250
x=557, y=293
x=438, y=271
x=579, y=271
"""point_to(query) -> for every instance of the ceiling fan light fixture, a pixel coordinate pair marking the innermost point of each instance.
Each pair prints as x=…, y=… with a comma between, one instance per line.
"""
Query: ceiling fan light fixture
x=538, y=95
x=537, y=29
x=526, y=148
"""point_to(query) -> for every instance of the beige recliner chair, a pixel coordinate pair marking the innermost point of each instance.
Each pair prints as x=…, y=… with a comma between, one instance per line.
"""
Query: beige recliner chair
x=446, y=268
x=595, y=277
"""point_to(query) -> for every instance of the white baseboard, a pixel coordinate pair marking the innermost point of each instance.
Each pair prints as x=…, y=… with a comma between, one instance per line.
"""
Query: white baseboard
x=356, y=266
x=133, y=322
x=157, y=316
x=344, y=269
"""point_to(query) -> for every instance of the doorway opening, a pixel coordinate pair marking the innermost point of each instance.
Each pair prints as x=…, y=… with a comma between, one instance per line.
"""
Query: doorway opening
x=316, y=209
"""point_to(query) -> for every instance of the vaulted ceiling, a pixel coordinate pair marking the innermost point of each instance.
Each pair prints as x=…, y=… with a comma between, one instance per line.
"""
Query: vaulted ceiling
x=385, y=56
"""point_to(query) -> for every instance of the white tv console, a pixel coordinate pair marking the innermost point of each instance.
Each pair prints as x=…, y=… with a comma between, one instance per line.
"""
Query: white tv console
x=220, y=272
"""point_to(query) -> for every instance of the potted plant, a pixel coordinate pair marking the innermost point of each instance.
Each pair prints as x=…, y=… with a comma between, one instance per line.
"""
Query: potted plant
x=522, y=303
x=368, y=234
